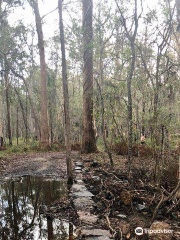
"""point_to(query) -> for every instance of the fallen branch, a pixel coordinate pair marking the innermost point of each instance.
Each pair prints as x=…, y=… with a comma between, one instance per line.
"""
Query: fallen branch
x=158, y=206
x=110, y=227
x=165, y=199
x=111, y=174
x=173, y=206
x=109, y=224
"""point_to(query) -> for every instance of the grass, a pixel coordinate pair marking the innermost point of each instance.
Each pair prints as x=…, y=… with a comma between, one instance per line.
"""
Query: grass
x=31, y=147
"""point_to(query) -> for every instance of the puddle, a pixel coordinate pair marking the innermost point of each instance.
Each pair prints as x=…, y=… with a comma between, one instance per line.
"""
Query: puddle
x=24, y=204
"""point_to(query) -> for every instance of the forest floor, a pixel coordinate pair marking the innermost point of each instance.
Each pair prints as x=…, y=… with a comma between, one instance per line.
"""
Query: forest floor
x=120, y=206
x=42, y=163
x=124, y=206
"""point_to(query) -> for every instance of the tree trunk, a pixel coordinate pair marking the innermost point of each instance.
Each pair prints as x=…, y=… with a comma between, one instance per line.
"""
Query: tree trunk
x=178, y=29
x=22, y=108
x=1, y=122
x=37, y=127
x=66, y=95
x=88, y=139
x=17, y=125
x=130, y=116
x=8, y=108
x=44, y=110
x=103, y=127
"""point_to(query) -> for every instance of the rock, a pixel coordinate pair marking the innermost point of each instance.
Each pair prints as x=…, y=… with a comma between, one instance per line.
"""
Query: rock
x=78, y=188
x=79, y=164
x=98, y=238
x=84, y=193
x=95, y=232
x=96, y=179
x=79, y=181
x=87, y=218
x=140, y=207
x=79, y=176
x=159, y=231
x=84, y=203
x=125, y=181
x=78, y=168
x=122, y=216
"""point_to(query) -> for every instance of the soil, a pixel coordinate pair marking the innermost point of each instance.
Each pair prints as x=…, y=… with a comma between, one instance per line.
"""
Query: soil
x=114, y=196
x=129, y=205
x=46, y=163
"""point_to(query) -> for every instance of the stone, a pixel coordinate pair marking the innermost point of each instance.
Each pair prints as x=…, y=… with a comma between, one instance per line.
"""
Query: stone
x=78, y=168
x=79, y=164
x=122, y=216
x=79, y=181
x=98, y=238
x=95, y=232
x=87, y=218
x=161, y=230
x=84, y=203
x=125, y=181
x=140, y=207
x=79, y=176
x=78, y=188
x=96, y=179
x=83, y=193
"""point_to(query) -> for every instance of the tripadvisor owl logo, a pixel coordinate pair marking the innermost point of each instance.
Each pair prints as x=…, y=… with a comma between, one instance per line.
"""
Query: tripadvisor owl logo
x=139, y=231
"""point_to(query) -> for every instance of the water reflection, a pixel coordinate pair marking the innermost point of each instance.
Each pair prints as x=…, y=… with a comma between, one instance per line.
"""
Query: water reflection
x=23, y=205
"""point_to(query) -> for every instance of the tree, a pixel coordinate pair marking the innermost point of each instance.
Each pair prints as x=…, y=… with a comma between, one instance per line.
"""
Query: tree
x=1, y=122
x=66, y=95
x=44, y=109
x=7, y=84
x=88, y=138
x=178, y=30
x=131, y=38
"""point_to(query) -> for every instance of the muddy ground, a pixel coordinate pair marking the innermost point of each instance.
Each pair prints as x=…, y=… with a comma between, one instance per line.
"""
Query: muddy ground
x=47, y=163
x=126, y=205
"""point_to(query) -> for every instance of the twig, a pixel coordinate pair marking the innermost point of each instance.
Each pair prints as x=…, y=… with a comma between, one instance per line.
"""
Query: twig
x=158, y=206
x=109, y=224
x=110, y=227
x=173, y=206
x=163, y=200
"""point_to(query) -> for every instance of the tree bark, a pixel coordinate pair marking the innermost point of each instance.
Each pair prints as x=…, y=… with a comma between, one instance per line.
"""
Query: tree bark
x=178, y=30
x=37, y=127
x=66, y=95
x=22, y=108
x=88, y=138
x=103, y=126
x=1, y=121
x=8, y=108
x=44, y=110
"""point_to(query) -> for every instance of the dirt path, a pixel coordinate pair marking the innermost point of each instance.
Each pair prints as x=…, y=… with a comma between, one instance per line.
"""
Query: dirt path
x=50, y=163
